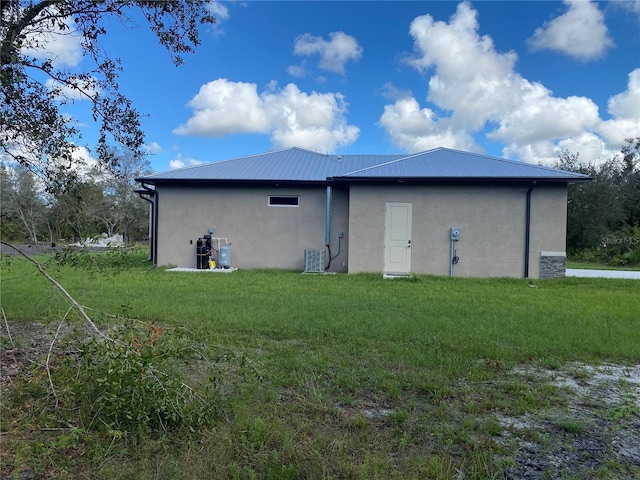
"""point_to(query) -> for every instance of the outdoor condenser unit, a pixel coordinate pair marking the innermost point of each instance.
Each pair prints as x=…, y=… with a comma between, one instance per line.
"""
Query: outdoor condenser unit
x=313, y=261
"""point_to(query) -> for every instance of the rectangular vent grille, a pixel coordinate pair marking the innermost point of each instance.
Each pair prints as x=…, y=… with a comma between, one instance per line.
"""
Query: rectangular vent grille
x=313, y=261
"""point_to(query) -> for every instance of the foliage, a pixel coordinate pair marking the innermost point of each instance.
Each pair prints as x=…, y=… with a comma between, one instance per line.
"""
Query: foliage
x=101, y=200
x=603, y=215
x=71, y=209
x=132, y=385
x=36, y=84
x=146, y=380
x=121, y=209
x=22, y=208
x=114, y=259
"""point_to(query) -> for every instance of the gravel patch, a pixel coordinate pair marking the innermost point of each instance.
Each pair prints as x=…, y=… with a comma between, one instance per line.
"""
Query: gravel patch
x=596, y=436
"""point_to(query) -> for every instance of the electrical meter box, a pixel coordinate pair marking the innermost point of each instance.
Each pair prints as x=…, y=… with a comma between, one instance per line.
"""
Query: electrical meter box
x=455, y=234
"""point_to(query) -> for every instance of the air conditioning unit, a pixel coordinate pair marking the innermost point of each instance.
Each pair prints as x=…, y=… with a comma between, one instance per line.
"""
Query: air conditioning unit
x=314, y=261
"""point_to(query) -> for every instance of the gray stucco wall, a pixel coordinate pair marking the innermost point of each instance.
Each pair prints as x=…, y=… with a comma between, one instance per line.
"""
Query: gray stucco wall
x=491, y=220
x=261, y=236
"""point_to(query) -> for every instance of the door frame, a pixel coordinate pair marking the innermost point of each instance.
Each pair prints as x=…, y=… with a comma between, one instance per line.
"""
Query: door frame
x=397, y=239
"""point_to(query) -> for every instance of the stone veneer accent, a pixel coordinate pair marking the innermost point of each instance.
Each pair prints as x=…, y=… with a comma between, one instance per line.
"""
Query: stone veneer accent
x=553, y=264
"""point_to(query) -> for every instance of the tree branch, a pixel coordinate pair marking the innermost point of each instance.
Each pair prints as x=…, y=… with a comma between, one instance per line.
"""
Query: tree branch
x=62, y=290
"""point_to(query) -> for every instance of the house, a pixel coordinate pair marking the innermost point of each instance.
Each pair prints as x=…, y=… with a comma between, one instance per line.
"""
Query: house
x=440, y=212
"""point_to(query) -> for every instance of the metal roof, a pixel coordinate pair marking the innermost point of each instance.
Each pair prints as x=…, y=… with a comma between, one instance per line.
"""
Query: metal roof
x=299, y=165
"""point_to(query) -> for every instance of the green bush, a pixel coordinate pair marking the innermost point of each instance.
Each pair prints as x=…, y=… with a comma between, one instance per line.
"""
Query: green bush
x=139, y=382
x=133, y=384
x=621, y=248
x=111, y=259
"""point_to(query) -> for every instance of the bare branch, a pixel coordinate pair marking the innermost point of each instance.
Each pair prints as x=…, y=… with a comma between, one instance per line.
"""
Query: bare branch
x=6, y=324
x=53, y=390
x=78, y=308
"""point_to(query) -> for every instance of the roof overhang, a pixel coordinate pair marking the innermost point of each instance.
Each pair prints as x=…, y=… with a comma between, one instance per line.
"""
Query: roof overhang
x=231, y=182
x=359, y=180
x=457, y=180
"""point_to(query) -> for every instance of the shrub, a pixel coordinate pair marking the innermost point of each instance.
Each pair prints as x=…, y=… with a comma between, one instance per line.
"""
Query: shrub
x=133, y=384
x=144, y=381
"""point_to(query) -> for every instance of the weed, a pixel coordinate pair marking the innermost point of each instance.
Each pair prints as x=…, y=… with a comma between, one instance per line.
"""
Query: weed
x=572, y=425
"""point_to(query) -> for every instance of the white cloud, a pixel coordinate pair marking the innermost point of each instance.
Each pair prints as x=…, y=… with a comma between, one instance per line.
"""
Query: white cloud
x=85, y=89
x=222, y=107
x=632, y=6
x=625, y=111
x=62, y=47
x=218, y=10
x=334, y=53
x=540, y=116
x=579, y=33
x=314, y=121
x=590, y=147
x=627, y=104
x=391, y=92
x=414, y=129
x=153, y=148
x=221, y=13
x=473, y=87
x=180, y=162
x=471, y=79
x=299, y=71
x=83, y=159
x=293, y=118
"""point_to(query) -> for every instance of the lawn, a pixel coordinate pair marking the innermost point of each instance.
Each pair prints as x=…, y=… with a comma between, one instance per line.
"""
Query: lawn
x=599, y=266
x=352, y=376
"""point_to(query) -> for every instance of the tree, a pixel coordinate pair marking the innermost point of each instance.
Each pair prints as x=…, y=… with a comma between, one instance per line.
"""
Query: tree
x=21, y=203
x=35, y=131
x=630, y=180
x=72, y=212
x=603, y=215
x=122, y=210
x=9, y=230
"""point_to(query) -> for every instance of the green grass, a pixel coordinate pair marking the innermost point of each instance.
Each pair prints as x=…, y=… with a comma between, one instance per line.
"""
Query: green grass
x=598, y=266
x=363, y=377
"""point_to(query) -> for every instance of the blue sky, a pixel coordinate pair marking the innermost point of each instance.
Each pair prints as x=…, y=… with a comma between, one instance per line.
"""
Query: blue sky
x=520, y=80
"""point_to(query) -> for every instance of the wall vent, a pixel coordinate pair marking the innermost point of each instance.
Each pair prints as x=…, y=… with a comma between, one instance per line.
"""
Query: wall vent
x=313, y=261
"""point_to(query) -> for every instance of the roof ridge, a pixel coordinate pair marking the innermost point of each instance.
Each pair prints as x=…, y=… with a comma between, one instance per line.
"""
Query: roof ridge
x=475, y=154
x=507, y=160
x=391, y=162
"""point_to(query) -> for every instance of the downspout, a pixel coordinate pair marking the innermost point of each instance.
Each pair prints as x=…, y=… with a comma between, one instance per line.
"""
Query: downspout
x=327, y=226
x=527, y=234
x=153, y=193
x=142, y=194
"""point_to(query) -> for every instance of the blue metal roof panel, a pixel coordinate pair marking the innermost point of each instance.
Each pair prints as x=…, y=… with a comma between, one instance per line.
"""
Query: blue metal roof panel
x=284, y=165
x=296, y=164
x=444, y=163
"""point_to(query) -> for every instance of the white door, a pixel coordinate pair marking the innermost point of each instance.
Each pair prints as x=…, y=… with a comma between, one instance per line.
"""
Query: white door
x=397, y=238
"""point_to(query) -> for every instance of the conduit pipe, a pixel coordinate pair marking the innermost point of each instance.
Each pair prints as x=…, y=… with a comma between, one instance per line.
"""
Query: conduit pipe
x=327, y=227
x=527, y=234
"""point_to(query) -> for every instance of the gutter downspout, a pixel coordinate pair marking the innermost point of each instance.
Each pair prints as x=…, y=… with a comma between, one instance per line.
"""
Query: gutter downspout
x=527, y=234
x=153, y=200
x=327, y=227
x=142, y=194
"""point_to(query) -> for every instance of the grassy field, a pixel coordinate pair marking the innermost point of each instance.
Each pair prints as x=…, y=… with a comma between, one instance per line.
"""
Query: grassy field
x=598, y=266
x=353, y=376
